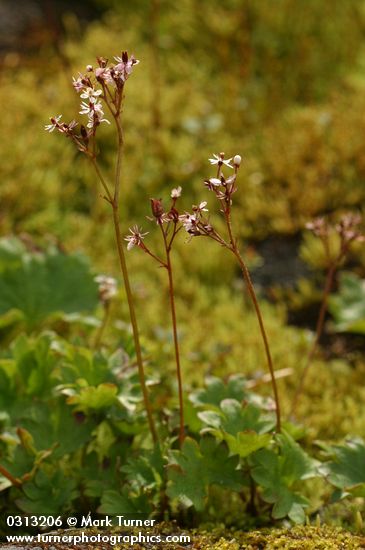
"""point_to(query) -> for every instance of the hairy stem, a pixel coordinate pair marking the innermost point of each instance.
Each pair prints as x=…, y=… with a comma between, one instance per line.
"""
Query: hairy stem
x=319, y=329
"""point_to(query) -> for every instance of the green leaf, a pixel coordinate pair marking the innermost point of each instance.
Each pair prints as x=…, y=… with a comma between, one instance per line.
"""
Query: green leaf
x=348, y=306
x=277, y=471
x=216, y=391
x=146, y=471
x=39, y=284
x=53, y=422
x=296, y=464
x=193, y=469
x=246, y=443
x=48, y=495
x=101, y=477
x=94, y=398
x=241, y=417
x=242, y=426
x=35, y=364
x=347, y=470
x=103, y=439
x=234, y=417
x=82, y=363
x=122, y=503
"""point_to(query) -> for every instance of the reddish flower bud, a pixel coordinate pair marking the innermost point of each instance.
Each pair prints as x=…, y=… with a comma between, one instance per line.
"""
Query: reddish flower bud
x=173, y=215
x=157, y=208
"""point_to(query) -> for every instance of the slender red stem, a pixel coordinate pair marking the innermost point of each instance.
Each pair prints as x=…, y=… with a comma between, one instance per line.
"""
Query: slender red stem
x=14, y=480
x=226, y=207
x=133, y=318
x=252, y=293
x=114, y=202
x=175, y=335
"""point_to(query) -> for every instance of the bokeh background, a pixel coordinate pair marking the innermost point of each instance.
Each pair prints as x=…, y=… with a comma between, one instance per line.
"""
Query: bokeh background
x=279, y=82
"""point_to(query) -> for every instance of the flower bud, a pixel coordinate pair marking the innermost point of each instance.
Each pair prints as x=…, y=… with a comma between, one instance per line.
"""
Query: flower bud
x=173, y=215
x=237, y=159
x=157, y=208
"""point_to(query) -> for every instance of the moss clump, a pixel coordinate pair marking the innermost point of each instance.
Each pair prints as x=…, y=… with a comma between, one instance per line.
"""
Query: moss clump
x=309, y=538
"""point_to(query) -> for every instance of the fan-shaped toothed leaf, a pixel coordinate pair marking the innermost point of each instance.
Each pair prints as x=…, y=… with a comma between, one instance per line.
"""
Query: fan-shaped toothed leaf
x=276, y=471
x=39, y=284
x=242, y=426
x=193, y=469
x=347, y=469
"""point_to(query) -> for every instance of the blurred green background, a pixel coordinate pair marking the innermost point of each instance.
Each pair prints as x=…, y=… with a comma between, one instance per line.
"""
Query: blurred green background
x=280, y=82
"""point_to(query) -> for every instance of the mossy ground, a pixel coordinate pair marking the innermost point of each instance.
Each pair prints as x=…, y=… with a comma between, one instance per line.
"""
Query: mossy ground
x=303, y=538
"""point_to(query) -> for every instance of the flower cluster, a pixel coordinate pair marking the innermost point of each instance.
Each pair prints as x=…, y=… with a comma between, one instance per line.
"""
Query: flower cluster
x=97, y=86
x=61, y=126
x=347, y=229
x=168, y=220
x=196, y=223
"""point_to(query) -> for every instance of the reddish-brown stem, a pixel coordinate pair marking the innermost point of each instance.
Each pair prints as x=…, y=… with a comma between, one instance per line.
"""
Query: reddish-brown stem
x=251, y=290
x=319, y=329
x=15, y=481
x=101, y=178
x=148, y=251
x=252, y=293
x=174, y=330
x=114, y=201
x=133, y=318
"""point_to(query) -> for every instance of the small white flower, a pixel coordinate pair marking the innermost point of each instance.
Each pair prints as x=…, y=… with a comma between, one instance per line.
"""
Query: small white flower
x=176, y=193
x=54, y=123
x=85, y=108
x=237, y=159
x=78, y=84
x=91, y=94
x=103, y=73
x=202, y=206
x=190, y=223
x=98, y=108
x=95, y=121
x=94, y=110
x=124, y=66
x=219, y=159
x=135, y=238
x=215, y=182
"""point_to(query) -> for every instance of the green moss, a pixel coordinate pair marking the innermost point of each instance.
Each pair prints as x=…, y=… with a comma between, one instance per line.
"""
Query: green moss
x=301, y=538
